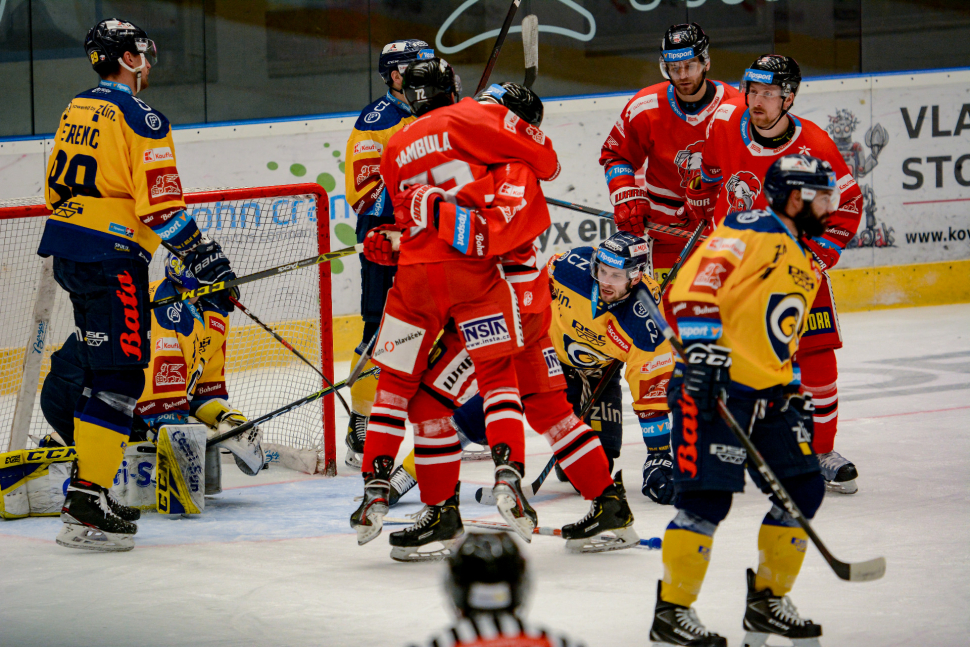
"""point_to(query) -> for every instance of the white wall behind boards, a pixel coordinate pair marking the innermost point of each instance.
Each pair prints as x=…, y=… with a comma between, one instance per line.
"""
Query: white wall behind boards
x=916, y=186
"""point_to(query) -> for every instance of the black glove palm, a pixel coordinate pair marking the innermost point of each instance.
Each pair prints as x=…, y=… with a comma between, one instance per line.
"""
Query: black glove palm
x=705, y=375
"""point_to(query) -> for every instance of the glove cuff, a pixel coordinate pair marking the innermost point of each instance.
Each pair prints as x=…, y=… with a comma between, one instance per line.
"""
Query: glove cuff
x=626, y=194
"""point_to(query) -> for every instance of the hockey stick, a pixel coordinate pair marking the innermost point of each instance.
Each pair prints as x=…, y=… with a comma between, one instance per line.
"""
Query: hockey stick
x=688, y=248
x=530, y=48
x=606, y=215
x=872, y=569
x=498, y=45
x=249, y=278
x=288, y=347
x=654, y=543
x=246, y=426
x=355, y=372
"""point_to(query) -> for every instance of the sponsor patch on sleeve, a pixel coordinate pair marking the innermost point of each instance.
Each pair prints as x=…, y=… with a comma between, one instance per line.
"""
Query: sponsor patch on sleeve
x=616, y=337
x=699, y=329
x=734, y=245
x=724, y=112
x=647, y=102
x=711, y=275
x=665, y=361
x=168, y=374
x=654, y=390
x=398, y=344
x=216, y=324
x=160, y=154
x=164, y=184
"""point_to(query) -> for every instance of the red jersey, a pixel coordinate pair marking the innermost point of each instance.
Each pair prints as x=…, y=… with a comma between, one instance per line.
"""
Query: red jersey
x=653, y=129
x=733, y=159
x=452, y=148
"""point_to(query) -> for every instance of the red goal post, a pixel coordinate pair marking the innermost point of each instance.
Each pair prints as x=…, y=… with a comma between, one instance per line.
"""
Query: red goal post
x=258, y=227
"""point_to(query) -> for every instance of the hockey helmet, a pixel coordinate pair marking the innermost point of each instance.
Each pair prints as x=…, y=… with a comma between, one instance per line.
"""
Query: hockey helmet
x=799, y=172
x=773, y=69
x=682, y=43
x=623, y=258
x=108, y=41
x=397, y=56
x=179, y=274
x=430, y=84
x=487, y=573
x=519, y=99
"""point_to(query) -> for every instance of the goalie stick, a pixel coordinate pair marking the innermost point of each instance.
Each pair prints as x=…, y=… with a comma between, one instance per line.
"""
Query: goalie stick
x=498, y=45
x=530, y=48
x=872, y=569
x=256, y=276
x=606, y=215
x=484, y=495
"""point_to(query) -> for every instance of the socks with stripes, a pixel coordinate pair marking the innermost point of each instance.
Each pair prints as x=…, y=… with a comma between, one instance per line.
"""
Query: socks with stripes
x=437, y=459
x=580, y=454
x=819, y=377
x=385, y=428
x=503, y=421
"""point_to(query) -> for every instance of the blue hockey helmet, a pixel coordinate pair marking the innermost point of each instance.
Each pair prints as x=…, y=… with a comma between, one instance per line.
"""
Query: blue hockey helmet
x=397, y=56
x=179, y=274
x=622, y=251
x=799, y=172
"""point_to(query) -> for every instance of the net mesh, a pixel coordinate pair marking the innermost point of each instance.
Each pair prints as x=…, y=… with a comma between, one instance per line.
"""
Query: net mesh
x=261, y=374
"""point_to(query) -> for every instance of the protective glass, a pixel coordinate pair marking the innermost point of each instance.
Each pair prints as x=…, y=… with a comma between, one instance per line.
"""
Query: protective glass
x=681, y=69
x=832, y=195
x=766, y=94
x=612, y=276
x=147, y=47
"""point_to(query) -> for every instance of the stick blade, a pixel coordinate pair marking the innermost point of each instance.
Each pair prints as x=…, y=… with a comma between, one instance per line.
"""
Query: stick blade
x=530, y=46
x=868, y=571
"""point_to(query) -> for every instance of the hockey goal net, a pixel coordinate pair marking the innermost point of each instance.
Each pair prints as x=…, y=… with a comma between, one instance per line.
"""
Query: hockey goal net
x=258, y=228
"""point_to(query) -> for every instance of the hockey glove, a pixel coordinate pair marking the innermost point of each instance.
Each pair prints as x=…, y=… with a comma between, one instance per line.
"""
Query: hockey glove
x=382, y=245
x=630, y=209
x=802, y=404
x=701, y=199
x=658, y=478
x=705, y=375
x=420, y=201
x=209, y=265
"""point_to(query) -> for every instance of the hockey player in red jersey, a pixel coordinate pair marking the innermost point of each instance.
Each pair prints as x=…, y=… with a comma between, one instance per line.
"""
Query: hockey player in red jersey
x=515, y=211
x=743, y=139
x=448, y=154
x=663, y=126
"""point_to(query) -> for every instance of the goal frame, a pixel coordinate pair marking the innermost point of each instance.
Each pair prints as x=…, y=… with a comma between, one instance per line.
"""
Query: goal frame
x=199, y=196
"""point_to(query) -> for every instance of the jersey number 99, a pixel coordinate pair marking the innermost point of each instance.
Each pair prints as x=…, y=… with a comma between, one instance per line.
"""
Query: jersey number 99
x=78, y=179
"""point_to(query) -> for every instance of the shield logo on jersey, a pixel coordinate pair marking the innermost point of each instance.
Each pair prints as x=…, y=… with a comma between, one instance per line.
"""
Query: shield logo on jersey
x=743, y=188
x=688, y=162
x=784, y=317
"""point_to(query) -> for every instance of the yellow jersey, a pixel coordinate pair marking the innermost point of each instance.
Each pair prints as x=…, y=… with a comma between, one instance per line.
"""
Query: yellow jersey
x=589, y=333
x=749, y=287
x=112, y=185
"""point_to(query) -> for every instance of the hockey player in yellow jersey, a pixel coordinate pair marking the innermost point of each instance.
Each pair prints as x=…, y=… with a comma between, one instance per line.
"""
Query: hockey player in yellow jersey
x=368, y=198
x=596, y=320
x=740, y=304
x=115, y=195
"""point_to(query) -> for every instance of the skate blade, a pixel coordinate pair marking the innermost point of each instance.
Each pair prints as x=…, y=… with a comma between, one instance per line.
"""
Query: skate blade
x=415, y=554
x=506, y=504
x=476, y=454
x=370, y=531
x=353, y=459
x=845, y=487
x=620, y=539
x=75, y=535
x=758, y=639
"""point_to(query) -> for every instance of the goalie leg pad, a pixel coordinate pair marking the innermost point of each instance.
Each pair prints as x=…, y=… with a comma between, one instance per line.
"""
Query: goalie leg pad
x=181, y=469
x=32, y=481
x=246, y=448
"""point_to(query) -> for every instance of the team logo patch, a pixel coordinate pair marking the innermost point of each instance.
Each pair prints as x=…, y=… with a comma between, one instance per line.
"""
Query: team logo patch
x=169, y=374
x=688, y=162
x=783, y=320
x=654, y=390
x=711, y=275
x=582, y=355
x=743, y=188
x=163, y=184
x=552, y=362
x=398, y=344
x=153, y=121
x=485, y=331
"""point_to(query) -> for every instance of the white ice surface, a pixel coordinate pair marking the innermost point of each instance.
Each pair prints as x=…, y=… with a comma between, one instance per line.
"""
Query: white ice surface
x=274, y=562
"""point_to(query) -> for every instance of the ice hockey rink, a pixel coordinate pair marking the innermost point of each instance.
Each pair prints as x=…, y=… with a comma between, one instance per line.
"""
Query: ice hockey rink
x=273, y=560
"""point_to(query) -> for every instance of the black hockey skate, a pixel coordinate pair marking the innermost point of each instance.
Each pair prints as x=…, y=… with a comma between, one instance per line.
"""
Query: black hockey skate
x=401, y=484
x=768, y=614
x=609, y=512
x=356, y=431
x=437, y=529
x=90, y=522
x=674, y=624
x=509, y=499
x=839, y=473
x=368, y=519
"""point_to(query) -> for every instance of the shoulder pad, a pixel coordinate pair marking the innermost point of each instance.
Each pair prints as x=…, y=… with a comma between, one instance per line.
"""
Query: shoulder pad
x=760, y=220
x=572, y=270
x=635, y=321
x=380, y=115
x=144, y=120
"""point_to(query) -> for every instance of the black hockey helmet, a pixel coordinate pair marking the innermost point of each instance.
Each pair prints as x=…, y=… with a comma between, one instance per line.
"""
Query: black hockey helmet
x=622, y=251
x=430, y=84
x=487, y=573
x=682, y=43
x=519, y=99
x=773, y=69
x=108, y=41
x=397, y=56
x=799, y=172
